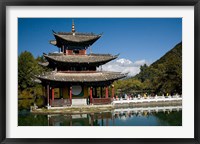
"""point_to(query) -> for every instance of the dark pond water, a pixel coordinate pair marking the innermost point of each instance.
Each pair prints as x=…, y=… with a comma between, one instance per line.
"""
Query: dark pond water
x=118, y=117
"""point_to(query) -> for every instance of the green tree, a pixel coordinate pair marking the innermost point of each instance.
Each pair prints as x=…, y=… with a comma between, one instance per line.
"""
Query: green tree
x=27, y=69
x=143, y=73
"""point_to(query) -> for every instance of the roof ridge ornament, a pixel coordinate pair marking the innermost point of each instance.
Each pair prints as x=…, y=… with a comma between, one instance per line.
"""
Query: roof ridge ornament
x=73, y=28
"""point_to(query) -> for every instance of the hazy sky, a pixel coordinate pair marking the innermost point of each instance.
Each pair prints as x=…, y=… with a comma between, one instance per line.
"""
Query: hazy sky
x=134, y=38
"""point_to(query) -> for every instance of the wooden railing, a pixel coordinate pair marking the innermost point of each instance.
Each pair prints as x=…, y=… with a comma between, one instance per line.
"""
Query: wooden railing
x=99, y=101
x=60, y=102
x=66, y=102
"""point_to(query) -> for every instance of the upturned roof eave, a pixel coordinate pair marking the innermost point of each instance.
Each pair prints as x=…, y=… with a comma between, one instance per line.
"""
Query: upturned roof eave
x=93, y=38
x=81, y=61
x=82, y=81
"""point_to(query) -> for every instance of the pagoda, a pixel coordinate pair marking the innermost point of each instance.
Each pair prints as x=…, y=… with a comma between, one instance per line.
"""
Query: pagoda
x=75, y=73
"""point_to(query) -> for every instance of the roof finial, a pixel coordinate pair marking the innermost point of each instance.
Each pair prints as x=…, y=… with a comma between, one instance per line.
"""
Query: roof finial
x=73, y=27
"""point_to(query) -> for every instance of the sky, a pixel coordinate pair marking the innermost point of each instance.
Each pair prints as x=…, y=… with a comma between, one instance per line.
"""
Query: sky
x=137, y=40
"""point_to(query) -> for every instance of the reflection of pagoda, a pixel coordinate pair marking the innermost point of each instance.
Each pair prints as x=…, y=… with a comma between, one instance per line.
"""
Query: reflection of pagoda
x=75, y=72
x=93, y=119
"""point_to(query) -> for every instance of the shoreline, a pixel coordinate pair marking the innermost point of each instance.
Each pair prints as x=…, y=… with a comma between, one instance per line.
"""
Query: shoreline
x=102, y=108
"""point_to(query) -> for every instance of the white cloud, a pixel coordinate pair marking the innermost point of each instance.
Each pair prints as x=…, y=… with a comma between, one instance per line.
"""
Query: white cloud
x=140, y=62
x=124, y=66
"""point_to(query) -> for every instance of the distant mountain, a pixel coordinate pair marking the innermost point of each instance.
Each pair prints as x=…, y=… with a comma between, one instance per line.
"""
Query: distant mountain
x=124, y=66
x=124, y=61
x=162, y=76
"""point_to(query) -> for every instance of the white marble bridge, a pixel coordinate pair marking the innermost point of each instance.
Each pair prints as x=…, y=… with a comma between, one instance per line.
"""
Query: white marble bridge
x=147, y=99
x=148, y=109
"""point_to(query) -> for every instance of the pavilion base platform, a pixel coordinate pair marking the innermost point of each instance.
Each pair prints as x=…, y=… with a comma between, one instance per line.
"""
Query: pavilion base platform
x=74, y=109
x=81, y=109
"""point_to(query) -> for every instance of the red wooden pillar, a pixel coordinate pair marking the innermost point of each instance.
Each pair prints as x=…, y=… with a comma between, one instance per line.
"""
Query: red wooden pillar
x=47, y=95
x=106, y=91
x=52, y=93
x=70, y=95
x=113, y=91
x=90, y=95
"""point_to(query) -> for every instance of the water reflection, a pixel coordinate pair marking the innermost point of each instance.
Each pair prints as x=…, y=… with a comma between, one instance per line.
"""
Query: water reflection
x=149, y=116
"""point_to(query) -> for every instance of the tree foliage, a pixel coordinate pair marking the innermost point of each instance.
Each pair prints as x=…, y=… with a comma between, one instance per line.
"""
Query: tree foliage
x=27, y=69
x=29, y=91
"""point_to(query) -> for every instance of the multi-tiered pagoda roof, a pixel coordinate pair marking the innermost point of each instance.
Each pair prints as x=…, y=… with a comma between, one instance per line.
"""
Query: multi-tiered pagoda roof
x=75, y=71
x=82, y=77
x=72, y=64
x=85, y=60
x=74, y=39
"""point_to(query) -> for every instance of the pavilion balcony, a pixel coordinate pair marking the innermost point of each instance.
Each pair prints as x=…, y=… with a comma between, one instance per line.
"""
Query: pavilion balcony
x=67, y=102
x=60, y=102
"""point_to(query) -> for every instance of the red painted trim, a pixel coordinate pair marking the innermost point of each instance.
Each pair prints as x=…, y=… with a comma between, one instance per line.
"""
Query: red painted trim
x=69, y=52
x=82, y=52
x=47, y=94
x=52, y=92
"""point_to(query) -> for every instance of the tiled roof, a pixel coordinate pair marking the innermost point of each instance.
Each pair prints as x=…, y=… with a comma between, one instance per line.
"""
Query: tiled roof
x=91, y=58
x=97, y=76
x=78, y=37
